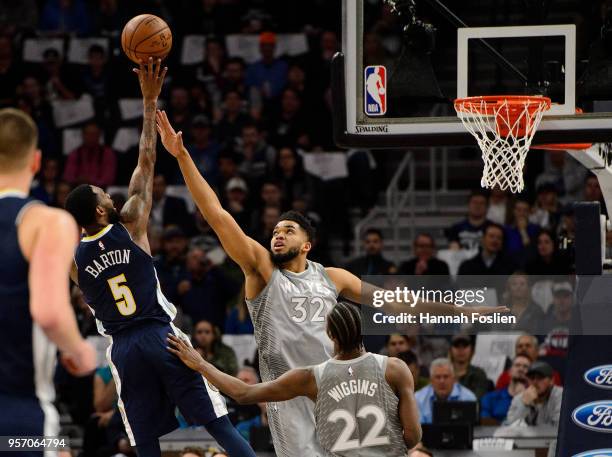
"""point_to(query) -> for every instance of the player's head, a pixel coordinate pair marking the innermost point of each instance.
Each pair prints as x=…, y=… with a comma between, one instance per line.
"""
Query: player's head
x=91, y=207
x=292, y=237
x=344, y=328
x=18, y=139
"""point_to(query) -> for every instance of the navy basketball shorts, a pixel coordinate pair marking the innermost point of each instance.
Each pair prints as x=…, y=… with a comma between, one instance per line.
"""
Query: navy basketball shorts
x=152, y=383
x=27, y=416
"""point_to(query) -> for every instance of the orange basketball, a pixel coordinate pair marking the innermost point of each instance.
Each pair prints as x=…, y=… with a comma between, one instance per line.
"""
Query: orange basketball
x=146, y=36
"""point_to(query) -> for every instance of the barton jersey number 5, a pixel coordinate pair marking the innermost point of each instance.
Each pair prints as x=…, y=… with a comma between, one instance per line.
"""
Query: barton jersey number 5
x=123, y=295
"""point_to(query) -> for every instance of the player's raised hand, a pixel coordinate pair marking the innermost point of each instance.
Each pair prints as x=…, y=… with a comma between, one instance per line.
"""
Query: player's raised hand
x=171, y=140
x=151, y=78
x=185, y=352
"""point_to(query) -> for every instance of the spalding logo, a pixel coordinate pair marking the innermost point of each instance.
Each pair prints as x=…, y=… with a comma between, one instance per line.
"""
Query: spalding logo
x=596, y=416
x=600, y=376
x=596, y=453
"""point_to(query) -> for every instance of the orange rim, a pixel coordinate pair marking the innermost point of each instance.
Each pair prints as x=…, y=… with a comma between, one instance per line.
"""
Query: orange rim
x=563, y=146
x=515, y=103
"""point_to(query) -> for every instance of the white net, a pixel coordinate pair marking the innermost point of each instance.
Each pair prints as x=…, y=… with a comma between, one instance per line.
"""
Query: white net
x=504, y=129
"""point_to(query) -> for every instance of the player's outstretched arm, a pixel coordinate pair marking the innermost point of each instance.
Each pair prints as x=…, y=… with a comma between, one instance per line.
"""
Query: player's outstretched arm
x=353, y=288
x=399, y=377
x=294, y=383
x=246, y=252
x=48, y=238
x=135, y=212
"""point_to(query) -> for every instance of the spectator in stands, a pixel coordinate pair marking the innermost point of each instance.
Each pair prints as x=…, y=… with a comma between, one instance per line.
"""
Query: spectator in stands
x=257, y=158
x=373, y=263
x=548, y=260
x=528, y=345
x=170, y=265
x=234, y=79
x=207, y=341
x=60, y=83
x=201, y=234
x=166, y=209
x=468, y=375
x=556, y=323
x=61, y=193
x=498, y=206
x=105, y=406
x=65, y=17
x=443, y=387
x=592, y=192
x=206, y=290
x=519, y=233
x=288, y=125
x=228, y=168
x=210, y=71
x=269, y=74
x=47, y=181
x=290, y=173
x=179, y=111
x=111, y=16
x=91, y=162
x=192, y=452
x=411, y=359
x=565, y=173
x=546, y=211
x=490, y=261
x=540, y=403
x=269, y=218
x=236, y=193
x=517, y=297
x=204, y=149
x=424, y=261
x=238, y=320
x=32, y=90
x=260, y=420
x=233, y=118
x=397, y=343
x=96, y=78
x=468, y=233
x=494, y=405
x=10, y=74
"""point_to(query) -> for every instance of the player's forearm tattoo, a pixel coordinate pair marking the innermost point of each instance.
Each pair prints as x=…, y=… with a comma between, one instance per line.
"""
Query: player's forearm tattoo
x=148, y=138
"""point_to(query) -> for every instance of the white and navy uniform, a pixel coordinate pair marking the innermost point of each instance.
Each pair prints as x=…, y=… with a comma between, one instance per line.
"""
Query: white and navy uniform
x=356, y=410
x=289, y=320
x=27, y=356
x=120, y=284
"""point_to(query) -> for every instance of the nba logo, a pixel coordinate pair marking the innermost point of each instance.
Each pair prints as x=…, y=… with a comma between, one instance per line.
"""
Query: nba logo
x=375, y=88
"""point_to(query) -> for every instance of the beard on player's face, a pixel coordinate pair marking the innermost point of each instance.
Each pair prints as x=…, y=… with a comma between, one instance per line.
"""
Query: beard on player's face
x=280, y=259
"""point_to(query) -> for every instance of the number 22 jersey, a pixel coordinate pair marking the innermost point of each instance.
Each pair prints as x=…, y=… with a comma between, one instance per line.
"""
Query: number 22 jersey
x=119, y=281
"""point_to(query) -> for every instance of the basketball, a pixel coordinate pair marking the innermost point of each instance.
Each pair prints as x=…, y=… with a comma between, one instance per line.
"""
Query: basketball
x=146, y=36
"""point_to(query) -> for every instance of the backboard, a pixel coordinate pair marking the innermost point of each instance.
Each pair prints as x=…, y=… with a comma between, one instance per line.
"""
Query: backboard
x=405, y=61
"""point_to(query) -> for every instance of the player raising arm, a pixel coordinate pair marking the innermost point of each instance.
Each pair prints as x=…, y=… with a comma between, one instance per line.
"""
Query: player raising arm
x=346, y=390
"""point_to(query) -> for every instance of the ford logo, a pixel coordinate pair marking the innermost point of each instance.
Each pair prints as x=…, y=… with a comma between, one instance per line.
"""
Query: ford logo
x=600, y=376
x=596, y=416
x=596, y=453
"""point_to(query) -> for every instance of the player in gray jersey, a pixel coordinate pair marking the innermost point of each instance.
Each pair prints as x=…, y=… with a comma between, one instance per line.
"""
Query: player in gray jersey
x=288, y=297
x=364, y=403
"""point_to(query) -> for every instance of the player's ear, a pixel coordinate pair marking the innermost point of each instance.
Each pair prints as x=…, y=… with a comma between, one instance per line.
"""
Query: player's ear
x=306, y=247
x=35, y=161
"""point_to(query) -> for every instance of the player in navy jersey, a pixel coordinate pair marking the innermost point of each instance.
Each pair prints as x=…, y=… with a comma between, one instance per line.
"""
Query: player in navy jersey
x=114, y=269
x=36, y=317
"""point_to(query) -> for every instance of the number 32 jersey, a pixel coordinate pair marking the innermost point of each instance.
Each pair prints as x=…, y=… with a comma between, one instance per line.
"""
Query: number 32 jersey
x=119, y=281
x=356, y=411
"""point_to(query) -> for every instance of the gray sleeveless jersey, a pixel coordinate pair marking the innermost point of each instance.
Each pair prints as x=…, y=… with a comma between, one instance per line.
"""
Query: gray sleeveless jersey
x=356, y=411
x=289, y=320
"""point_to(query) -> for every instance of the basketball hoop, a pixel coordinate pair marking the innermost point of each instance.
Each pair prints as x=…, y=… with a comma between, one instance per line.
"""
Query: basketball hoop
x=504, y=126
